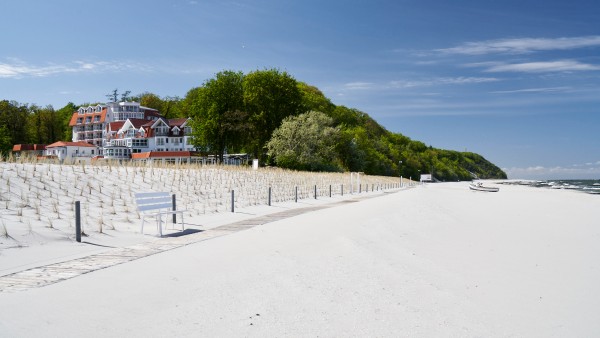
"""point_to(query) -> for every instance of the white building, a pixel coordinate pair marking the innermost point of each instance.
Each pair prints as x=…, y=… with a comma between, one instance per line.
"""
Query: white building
x=89, y=123
x=71, y=151
x=122, y=129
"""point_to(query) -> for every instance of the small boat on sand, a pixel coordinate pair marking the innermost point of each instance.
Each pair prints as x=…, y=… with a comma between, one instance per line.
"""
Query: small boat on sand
x=478, y=186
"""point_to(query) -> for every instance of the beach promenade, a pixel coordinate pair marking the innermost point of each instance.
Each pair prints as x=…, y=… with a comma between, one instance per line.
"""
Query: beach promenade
x=437, y=260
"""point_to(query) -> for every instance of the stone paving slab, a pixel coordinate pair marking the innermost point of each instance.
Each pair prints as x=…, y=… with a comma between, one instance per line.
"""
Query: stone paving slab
x=53, y=273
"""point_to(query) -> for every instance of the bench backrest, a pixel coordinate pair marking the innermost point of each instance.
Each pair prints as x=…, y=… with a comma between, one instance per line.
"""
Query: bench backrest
x=153, y=201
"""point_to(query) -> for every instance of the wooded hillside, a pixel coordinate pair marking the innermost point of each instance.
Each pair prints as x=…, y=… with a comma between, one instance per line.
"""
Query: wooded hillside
x=279, y=120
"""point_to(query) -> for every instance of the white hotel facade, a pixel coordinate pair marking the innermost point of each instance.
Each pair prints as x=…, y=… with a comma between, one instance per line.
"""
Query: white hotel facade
x=127, y=130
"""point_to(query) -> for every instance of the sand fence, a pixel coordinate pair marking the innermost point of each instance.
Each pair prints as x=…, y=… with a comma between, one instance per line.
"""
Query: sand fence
x=37, y=199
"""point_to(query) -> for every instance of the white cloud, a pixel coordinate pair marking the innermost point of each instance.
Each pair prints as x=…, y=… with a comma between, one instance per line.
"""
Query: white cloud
x=358, y=85
x=543, y=67
x=362, y=85
x=441, y=81
x=533, y=90
x=522, y=46
x=17, y=69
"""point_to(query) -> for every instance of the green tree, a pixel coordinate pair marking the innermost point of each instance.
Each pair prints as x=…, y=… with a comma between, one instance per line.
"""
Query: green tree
x=45, y=125
x=64, y=115
x=314, y=99
x=216, y=108
x=5, y=141
x=269, y=97
x=14, y=117
x=149, y=100
x=306, y=142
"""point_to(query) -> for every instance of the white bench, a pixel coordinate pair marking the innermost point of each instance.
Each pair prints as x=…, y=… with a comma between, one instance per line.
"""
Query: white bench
x=156, y=204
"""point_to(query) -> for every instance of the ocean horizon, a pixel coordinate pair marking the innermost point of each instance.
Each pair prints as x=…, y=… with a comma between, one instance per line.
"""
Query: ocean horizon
x=584, y=185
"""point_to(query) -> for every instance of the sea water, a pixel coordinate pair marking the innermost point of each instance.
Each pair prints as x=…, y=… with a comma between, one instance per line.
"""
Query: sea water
x=587, y=186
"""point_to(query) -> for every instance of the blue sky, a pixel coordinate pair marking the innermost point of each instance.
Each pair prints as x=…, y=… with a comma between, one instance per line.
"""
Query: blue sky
x=515, y=81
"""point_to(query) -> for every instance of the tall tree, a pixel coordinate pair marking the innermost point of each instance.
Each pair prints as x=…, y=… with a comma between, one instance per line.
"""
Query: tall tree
x=5, y=141
x=306, y=142
x=64, y=115
x=314, y=99
x=214, y=107
x=269, y=97
x=14, y=116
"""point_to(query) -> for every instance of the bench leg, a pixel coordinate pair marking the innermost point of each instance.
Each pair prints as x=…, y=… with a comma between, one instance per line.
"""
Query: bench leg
x=142, y=229
x=159, y=224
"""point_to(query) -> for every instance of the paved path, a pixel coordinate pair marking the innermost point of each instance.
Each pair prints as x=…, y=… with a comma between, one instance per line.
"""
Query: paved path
x=53, y=273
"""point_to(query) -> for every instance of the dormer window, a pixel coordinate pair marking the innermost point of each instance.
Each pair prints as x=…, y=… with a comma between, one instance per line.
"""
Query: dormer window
x=81, y=111
x=175, y=131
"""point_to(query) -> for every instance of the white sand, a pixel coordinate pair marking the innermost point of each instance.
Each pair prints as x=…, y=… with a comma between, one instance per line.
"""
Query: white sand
x=437, y=260
x=37, y=222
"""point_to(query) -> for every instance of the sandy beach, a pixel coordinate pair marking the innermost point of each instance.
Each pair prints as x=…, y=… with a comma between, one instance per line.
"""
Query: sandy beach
x=432, y=261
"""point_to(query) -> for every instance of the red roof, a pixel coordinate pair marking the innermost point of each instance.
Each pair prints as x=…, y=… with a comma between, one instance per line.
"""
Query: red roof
x=76, y=115
x=138, y=123
x=177, y=122
x=114, y=126
x=160, y=154
x=29, y=147
x=70, y=144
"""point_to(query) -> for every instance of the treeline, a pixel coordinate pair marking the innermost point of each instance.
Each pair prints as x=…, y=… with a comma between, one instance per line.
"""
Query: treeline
x=280, y=120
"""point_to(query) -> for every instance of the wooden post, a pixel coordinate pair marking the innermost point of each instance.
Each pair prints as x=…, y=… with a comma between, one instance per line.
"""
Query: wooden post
x=269, y=196
x=296, y=194
x=78, y=221
x=330, y=190
x=174, y=208
x=232, y=200
x=315, y=191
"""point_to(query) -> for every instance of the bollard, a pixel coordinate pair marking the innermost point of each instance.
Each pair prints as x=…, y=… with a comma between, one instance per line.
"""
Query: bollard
x=232, y=200
x=315, y=191
x=296, y=194
x=269, y=196
x=174, y=207
x=78, y=221
x=359, y=188
x=342, y=190
x=330, y=190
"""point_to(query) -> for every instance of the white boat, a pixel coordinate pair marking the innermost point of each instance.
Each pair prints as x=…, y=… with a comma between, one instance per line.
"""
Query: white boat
x=478, y=186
